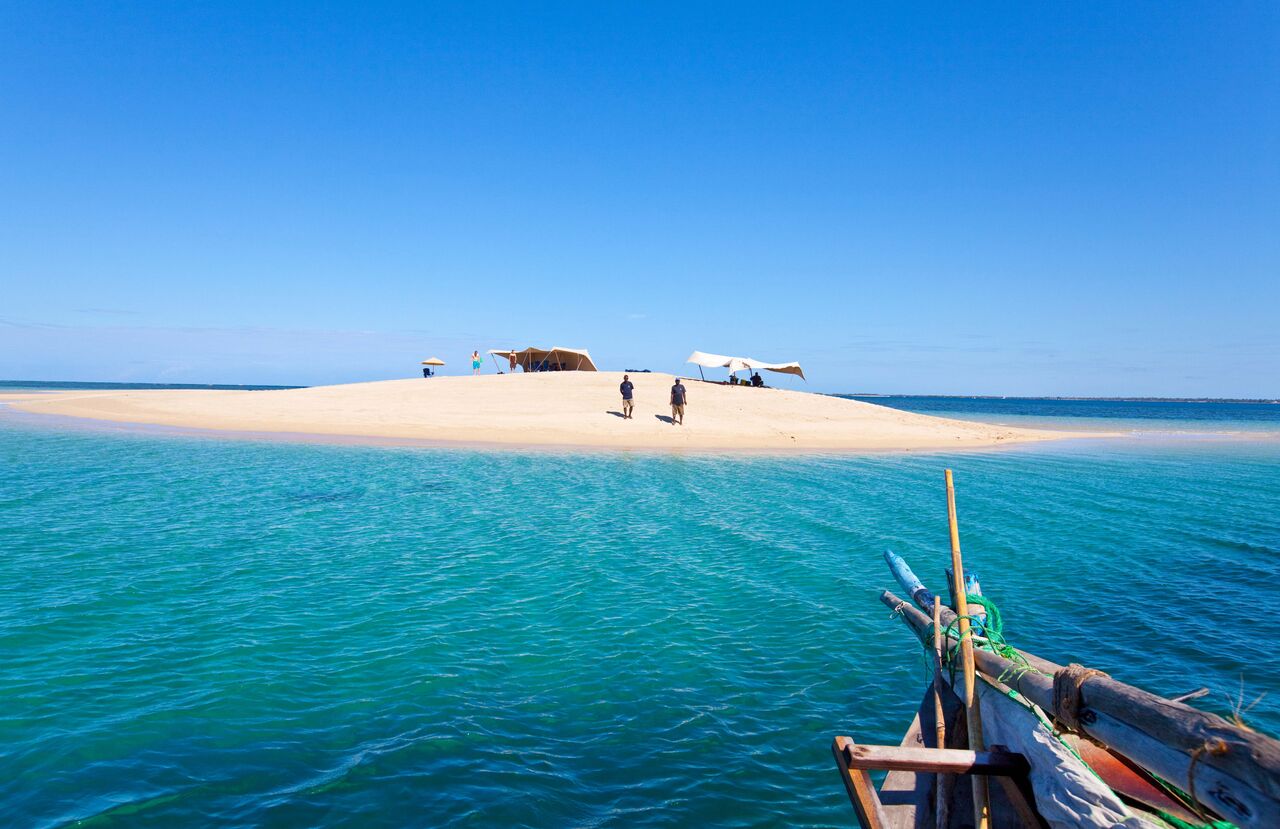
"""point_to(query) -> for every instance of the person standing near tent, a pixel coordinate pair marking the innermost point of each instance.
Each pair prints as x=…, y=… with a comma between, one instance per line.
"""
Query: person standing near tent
x=627, y=388
x=512, y=358
x=475, y=364
x=678, y=398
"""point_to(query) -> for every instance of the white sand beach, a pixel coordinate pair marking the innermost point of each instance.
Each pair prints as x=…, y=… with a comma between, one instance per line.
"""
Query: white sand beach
x=550, y=409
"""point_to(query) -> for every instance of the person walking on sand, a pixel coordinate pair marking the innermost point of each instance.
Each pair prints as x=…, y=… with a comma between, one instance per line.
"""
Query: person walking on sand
x=475, y=364
x=678, y=398
x=512, y=358
x=627, y=388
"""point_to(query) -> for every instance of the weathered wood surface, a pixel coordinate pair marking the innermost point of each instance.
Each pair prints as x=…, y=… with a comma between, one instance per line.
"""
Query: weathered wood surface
x=907, y=797
x=944, y=760
x=1017, y=792
x=1231, y=770
x=905, y=576
x=862, y=793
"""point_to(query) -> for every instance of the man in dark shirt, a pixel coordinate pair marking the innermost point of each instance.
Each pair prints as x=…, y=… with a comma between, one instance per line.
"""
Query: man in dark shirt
x=626, y=388
x=678, y=398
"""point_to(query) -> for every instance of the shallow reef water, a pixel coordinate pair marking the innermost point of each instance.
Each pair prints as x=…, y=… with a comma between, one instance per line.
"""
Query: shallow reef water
x=206, y=632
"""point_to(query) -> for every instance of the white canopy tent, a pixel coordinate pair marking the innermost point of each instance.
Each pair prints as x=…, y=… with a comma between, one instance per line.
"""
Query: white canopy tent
x=736, y=364
x=556, y=358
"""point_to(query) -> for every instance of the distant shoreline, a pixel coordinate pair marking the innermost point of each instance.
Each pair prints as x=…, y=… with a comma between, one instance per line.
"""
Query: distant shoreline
x=122, y=386
x=1273, y=401
x=94, y=385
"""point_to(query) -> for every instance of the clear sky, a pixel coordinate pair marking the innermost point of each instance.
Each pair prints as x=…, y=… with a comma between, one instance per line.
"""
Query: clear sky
x=1075, y=199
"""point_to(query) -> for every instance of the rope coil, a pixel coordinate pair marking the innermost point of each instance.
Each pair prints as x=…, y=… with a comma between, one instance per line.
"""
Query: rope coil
x=1066, y=694
x=1214, y=747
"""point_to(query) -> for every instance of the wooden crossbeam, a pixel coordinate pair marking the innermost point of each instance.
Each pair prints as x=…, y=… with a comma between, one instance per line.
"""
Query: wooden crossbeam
x=855, y=760
x=938, y=760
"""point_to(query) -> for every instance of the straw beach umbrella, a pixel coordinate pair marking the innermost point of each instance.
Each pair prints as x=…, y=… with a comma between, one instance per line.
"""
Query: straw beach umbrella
x=431, y=361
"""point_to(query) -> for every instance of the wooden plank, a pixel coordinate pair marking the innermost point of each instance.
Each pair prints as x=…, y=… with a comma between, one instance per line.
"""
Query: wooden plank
x=1017, y=790
x=936, y=760
x=862, y=793
x=905, y=795
x=909, y=798
x=1241, y=784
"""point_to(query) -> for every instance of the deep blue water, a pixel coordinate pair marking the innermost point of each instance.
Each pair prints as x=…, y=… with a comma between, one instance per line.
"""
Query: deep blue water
x=206, y=632
x=1174, y=415
x=59, y=385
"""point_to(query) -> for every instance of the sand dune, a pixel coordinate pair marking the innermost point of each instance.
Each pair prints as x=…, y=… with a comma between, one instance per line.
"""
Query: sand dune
x=557, y=409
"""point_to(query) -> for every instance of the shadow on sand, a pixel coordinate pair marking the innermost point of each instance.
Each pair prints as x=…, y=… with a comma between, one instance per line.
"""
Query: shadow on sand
x=664, y=419
x=616, y=414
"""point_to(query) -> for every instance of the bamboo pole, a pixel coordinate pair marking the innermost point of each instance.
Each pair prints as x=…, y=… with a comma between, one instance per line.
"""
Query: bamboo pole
x=942, y=781
x=940, y=726
x=973, y=717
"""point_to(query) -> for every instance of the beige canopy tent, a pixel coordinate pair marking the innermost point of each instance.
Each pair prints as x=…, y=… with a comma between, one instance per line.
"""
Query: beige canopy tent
x=556, y=358
x=736, y=364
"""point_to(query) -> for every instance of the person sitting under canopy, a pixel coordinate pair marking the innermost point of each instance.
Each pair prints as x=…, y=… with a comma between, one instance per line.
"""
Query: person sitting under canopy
x=736, y=364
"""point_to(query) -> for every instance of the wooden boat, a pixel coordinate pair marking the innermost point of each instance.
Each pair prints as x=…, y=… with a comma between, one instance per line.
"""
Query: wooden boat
x=1005, y=738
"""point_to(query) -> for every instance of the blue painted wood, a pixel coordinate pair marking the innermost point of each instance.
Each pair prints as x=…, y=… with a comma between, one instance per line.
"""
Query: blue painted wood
x=919, y=594
x=972, y=588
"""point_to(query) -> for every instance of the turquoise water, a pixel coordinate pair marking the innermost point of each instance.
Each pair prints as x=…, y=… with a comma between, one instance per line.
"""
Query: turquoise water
x=205, y=632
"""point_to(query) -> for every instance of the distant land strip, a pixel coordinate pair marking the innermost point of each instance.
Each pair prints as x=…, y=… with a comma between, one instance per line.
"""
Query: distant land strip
x=1094, y=399
x=98, y=384
x=89, y=385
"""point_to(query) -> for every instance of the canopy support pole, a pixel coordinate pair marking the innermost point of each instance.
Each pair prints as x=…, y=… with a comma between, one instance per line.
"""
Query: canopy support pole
x=700, y=374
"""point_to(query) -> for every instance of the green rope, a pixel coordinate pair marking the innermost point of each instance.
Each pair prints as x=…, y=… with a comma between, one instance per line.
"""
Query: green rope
x=992, y=639
x=1178, y=823
x=994, y=624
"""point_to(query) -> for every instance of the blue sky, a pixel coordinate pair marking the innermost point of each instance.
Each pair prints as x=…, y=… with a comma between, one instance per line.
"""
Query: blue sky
x=1016, y=199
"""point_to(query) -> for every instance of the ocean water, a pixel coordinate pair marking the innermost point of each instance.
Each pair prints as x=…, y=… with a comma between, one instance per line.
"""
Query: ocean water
x=72, y=385
x=1132, y=416
x=205, y=632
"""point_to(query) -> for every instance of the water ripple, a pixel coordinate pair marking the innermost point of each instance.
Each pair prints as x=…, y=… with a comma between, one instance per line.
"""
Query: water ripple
x=199, y=633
